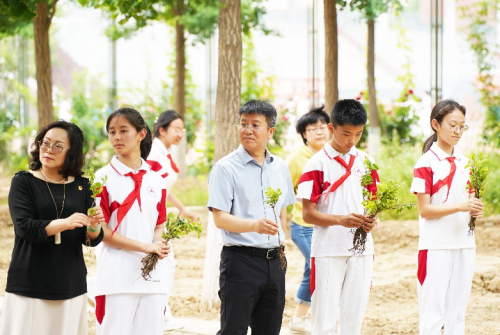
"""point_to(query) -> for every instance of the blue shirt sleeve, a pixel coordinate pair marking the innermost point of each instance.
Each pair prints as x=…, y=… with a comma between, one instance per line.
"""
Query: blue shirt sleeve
x=290, y=195
x=220, y=189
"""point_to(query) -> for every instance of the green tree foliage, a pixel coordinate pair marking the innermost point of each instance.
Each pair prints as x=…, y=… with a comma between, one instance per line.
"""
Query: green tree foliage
x=371, y=9
x=24, y=9
x=12, y=25
x=481, y=37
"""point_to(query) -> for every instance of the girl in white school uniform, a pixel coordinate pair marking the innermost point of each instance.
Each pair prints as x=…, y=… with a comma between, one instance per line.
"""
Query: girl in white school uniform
x=169, y=130
x=447, y=252
x=133, y=203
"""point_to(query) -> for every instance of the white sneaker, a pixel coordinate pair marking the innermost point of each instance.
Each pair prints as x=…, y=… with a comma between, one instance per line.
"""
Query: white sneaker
x=173, y=324
x=300, y=325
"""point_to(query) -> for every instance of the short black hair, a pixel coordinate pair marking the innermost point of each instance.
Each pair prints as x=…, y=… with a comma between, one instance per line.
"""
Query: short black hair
x=261, y=108
x=164, y=120
x=348, y=111
x=314, y=115
x=137, y=121
x=74, y=160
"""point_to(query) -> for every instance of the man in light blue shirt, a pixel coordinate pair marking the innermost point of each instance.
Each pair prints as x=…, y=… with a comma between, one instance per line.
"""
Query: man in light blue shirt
x=252, y=283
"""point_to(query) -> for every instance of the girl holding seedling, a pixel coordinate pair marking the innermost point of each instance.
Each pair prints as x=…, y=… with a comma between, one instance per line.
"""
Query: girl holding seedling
x=169, y=129
x=133, y=201
x=447, y=251
x=46, y=285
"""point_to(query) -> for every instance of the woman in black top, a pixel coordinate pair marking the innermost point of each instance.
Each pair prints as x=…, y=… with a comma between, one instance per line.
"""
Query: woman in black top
x=46, y=283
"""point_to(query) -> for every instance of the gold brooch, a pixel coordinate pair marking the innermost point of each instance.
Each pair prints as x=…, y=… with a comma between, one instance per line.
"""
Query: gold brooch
x=80, y=188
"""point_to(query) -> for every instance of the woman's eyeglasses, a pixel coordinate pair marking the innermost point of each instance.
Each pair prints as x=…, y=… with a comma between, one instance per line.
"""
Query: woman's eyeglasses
x=45, y=145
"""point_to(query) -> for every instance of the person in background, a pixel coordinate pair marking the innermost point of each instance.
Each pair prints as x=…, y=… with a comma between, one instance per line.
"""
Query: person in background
x=313, y=128
x=446, y=250
x=46, y=283
x=169, y=130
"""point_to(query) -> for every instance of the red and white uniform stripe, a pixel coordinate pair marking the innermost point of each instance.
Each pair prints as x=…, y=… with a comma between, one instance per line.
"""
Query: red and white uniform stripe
x=161, y=161
x=446, y=254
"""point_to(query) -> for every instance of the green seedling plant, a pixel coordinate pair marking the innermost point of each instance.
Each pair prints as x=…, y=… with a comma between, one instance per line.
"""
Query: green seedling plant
x=384, y=199
x=175, y=227
x=478, y=175
x=95, y=188
x=272, y=197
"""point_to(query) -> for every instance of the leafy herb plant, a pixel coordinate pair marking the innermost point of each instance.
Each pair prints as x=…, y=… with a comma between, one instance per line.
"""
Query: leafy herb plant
x=175, y=227
x=385, y=198
x=272, y=197
x=478, y=175
x=95, y=188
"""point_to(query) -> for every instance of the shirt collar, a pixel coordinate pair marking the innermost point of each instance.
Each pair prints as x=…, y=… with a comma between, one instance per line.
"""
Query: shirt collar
x=122, y=169
x=332, y=153
x=440, y=154
x=246, y=158
x=161, y=146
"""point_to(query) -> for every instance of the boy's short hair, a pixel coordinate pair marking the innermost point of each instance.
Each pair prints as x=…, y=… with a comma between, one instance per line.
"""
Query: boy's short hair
x=261, y=108
x=314, y=115
x=348, y=111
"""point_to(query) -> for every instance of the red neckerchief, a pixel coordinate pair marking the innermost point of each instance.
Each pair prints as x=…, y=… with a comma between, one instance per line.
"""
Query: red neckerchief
x=129, y=201
x=176, y=169
x=447, y=181
x=341, y=179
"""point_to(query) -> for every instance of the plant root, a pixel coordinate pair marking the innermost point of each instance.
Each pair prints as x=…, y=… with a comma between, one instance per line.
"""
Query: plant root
x=148, y=265
x=359, y=241
x=282, y=257
x=472, y=226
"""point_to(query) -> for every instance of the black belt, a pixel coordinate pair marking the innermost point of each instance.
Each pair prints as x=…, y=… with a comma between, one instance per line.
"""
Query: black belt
x=257, y=252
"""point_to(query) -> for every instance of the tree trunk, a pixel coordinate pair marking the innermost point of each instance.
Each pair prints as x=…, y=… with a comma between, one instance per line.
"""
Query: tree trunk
x=180, y=92
x=41, y=25
x=374, y=124
x=227, y=102
x=331, y=55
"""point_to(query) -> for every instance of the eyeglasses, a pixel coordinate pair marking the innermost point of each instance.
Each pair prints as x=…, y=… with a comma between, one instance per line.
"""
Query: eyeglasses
x=455, y=127
x=254, y=127
x=179, y=130
x=323, y=128
x=56, y=148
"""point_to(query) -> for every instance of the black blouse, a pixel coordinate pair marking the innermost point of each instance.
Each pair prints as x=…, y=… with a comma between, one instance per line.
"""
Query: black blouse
x=39, y=268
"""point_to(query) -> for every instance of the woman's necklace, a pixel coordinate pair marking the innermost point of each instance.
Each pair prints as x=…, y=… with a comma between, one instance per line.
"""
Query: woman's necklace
x=52, y=181
x=57, y=236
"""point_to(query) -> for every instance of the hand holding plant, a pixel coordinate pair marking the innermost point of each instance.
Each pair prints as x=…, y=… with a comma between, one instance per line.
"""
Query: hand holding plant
x=95, y=188
x=478, y=175
x=175, y=227
x=385, y=198
x=272, y=197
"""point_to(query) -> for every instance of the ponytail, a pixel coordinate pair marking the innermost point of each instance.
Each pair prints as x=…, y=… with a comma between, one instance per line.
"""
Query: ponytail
x=428, y=143
x=146, y=143
x=440, y=110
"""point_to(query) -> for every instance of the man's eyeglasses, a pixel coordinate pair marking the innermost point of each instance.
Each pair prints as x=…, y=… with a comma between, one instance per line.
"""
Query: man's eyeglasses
x=255, y=127
x=56, y=148
x=455, y=127
x=313, y=130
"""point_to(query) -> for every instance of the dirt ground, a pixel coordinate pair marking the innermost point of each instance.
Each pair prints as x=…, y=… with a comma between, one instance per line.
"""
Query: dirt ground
x=393, y=300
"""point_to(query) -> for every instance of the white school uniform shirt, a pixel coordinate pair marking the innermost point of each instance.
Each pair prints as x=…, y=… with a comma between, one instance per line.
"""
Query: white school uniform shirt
x=429, y=177
x=322, y=171
x=161, y=161
x=118, y=270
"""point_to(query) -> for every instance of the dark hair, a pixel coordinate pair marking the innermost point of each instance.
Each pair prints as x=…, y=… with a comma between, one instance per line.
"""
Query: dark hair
x=164, y=120
x=136, y=120
x=348, y=111
x=314, y=115
x=442, y=108
x=74, y=160
x=261, y=108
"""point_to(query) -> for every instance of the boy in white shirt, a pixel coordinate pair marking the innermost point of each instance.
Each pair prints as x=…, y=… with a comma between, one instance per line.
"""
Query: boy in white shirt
x=331, y=193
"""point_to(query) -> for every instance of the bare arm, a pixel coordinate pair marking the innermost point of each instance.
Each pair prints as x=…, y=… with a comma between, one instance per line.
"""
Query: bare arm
x=171, y=198
x=429, y=211
x=119, y=241
x=311, y=215
x=229, y=222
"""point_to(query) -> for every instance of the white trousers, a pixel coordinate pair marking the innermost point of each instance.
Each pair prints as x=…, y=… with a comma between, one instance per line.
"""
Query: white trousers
x=341, y=286
x=130, y=313
x=170, y=261
x=29, y=316
x=444, y=285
